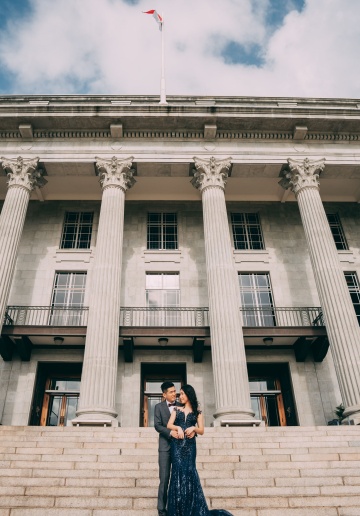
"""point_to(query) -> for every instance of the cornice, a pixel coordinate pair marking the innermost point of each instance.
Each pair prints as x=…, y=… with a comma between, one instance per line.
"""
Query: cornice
x=181, y=135
x=141, y=105
x=29, y=118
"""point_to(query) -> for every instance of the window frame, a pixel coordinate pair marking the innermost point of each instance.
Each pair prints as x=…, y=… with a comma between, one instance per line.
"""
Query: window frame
x=255, y=315
x=354, y=290
x=78, y=226
x=248, y=237
x=162, y=234
x=67, y=313
x=336, y=225
x=157, y=314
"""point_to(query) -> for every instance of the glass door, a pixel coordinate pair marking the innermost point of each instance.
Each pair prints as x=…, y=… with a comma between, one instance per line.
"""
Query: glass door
x=153, y=375
x=163, y=299
x=152, y=396
x=256, y=299
x=267, y=402
x=60, y=401
x=271, y=393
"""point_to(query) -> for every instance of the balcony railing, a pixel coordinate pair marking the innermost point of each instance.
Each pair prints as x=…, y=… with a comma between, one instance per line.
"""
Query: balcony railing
x=163, y=317
x=175, y=317
x=46, y=316
x=280, y=317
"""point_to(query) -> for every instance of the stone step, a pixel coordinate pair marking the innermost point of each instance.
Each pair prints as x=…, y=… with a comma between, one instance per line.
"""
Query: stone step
x=250, y=472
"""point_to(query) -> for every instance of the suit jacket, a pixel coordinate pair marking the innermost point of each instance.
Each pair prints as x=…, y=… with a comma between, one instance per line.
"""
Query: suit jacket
x=161, y=419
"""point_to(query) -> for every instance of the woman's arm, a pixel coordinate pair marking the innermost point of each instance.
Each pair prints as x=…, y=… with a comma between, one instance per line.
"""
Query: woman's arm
x=171, y=425
x=199, y=429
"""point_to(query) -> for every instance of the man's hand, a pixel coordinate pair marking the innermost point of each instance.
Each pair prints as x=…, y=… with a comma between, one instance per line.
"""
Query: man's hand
x=174, y=434
x=180, y=432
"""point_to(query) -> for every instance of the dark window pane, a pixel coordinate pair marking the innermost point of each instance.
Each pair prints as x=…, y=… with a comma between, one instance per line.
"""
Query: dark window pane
x=72, y=217
x=162, y=231
x=77, y=230
x=154, y=218
x=246, y=231
x=354, y=291
x=337, y=231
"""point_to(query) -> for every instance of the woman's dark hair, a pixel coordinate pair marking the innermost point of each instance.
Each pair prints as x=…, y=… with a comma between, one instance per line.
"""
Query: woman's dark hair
x=191, y=394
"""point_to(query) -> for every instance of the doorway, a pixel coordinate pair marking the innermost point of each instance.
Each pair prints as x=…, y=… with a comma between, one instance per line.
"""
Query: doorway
x=152, y=376
x=56, y=394
x=271, y=394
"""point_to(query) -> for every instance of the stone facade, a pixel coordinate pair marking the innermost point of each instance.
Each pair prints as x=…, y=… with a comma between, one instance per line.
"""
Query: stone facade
x=164, y=167
x=286, y=260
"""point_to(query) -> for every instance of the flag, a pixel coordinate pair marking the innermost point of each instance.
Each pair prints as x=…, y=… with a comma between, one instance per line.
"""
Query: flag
x=159, y=20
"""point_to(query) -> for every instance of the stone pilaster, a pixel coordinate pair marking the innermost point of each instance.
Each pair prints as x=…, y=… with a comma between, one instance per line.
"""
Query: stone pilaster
x=23, y=177
x=302, y=177
x=232, y=396
x=98, y=381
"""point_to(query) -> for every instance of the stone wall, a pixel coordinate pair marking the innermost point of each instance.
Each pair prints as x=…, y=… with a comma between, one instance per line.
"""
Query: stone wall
x=285, y=258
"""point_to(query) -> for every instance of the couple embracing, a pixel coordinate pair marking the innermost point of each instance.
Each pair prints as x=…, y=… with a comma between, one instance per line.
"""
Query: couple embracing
x=178, y=424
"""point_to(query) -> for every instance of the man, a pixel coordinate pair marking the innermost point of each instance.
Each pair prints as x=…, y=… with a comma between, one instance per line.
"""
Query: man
x=162, y=414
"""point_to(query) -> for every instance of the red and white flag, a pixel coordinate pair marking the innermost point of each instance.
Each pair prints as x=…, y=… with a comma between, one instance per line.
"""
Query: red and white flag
x=159, y=20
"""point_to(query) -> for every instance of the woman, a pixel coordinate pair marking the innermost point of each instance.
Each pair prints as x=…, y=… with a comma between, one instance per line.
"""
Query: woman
x=186, y=497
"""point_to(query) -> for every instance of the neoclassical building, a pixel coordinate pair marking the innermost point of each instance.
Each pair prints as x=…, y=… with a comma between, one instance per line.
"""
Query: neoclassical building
x=211, y=241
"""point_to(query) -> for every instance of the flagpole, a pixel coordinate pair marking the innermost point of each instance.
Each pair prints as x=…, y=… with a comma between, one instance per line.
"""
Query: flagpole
x=162, y=82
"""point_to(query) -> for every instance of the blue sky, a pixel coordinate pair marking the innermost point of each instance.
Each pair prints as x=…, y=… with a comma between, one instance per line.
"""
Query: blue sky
x=232, y=47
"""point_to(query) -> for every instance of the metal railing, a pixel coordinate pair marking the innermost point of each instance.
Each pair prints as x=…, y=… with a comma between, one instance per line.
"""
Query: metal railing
x=273, y=316
x=164, y=317
x=169, y=316
x=46, y=316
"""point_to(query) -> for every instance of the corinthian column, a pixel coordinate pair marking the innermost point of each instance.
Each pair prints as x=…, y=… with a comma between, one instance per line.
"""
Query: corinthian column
x=231, y=382
x=98, y=381
x=302, y=177
x=23, y=177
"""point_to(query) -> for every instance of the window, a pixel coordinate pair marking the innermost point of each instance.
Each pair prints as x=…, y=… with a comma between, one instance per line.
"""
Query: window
x=162, y=231
x=68, y=299
x=163, y=291
x=256, y=299
x=354, y=288
x=247, y=231
x=337, y=231
x=77, y=230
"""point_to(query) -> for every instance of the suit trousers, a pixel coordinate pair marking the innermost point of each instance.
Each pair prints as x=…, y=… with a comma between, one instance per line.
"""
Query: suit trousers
x=164, y=475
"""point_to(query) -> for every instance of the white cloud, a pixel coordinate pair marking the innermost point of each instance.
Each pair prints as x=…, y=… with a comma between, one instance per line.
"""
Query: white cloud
x=108, y=46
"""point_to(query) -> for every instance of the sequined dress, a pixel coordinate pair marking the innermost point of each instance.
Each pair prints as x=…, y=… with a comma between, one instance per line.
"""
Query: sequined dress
x=186, y=497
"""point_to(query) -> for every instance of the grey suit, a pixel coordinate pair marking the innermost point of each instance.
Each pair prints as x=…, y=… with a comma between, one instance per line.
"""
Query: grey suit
x=161, y=419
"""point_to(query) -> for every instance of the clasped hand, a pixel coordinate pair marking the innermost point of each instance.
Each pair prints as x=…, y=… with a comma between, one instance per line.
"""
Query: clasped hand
x=181, y=434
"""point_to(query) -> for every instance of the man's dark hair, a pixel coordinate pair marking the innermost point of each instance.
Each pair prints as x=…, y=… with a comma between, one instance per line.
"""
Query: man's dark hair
x=166, y=385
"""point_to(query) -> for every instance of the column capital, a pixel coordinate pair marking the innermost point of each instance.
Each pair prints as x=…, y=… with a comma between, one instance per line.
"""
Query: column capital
x=211, y=172
x=23, y=172
x=302, y=174
x=115, y=172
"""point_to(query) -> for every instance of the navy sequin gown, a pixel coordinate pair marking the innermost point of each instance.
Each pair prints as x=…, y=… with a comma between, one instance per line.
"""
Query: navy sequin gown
x=186, y=497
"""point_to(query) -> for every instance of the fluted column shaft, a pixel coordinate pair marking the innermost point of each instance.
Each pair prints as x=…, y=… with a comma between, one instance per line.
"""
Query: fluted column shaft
x=340, y=318
x=23, y=176
x=98, y=381
x=231, y=383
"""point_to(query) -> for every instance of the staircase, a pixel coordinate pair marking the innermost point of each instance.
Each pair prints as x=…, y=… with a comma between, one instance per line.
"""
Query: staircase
x=295, y=471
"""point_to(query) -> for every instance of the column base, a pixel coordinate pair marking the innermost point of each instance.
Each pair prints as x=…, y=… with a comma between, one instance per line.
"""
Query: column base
x=95, y=418
x=351, y=415
x=229, y=416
